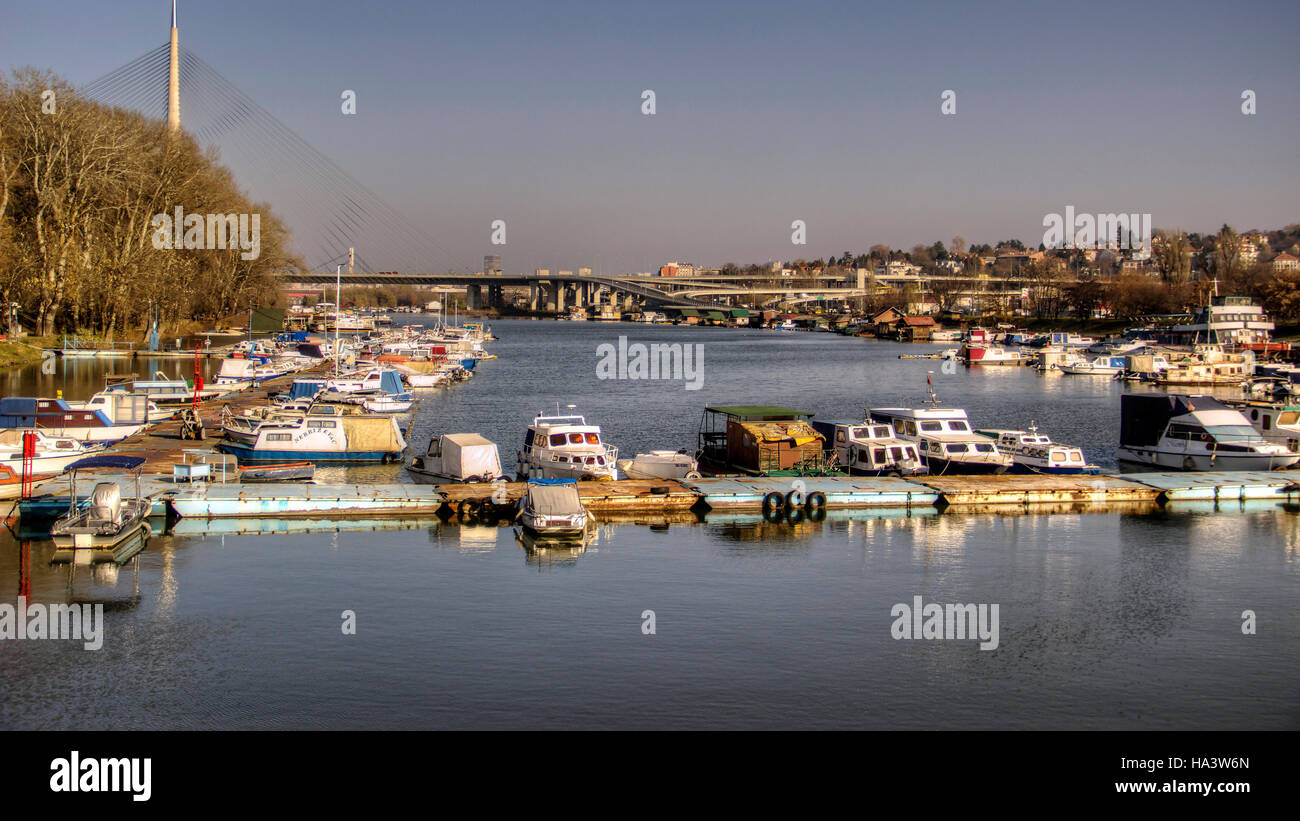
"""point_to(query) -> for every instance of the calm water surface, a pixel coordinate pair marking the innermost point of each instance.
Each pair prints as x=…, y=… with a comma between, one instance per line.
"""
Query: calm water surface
x=1106, y=620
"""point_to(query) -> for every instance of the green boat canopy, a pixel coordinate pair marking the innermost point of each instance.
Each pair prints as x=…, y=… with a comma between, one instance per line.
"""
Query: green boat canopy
x=754, y=413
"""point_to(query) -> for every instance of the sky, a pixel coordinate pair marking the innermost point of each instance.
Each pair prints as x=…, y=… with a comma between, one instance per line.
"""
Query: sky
x=765, y=113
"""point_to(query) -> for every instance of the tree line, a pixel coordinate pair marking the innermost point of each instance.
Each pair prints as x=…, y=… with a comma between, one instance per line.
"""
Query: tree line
x=81, y=186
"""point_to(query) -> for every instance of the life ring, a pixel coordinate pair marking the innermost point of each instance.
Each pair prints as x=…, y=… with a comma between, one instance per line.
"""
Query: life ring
x=816, y=500
x=772, y=502
x=694, y=474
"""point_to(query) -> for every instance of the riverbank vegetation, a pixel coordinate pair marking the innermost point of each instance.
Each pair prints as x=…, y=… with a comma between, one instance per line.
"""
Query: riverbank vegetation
x=80, y=187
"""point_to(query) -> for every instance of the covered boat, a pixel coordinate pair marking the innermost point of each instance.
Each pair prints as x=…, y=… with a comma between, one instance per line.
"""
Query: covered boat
x=110, y=419
x=316, y=437
x=459, y=457
x=765, y=440
x=552, y=507
x=48, y=454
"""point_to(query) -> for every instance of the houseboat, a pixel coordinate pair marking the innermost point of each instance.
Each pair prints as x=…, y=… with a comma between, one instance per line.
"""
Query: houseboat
x=1209, y=366
x=319, y=437
x=760, y=440
x=1192, y=432
x=1032, y=452
x=459, y=458
x=552, y=508
x=565, y=447
x=869, y=449
x=1278, y=422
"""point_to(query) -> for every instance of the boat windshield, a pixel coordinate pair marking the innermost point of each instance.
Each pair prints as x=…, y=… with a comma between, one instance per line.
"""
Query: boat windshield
x=1233, y=433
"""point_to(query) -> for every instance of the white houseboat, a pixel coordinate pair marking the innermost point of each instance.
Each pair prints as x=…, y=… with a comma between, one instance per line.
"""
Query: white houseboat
x=565, y=447
x=1190, y=432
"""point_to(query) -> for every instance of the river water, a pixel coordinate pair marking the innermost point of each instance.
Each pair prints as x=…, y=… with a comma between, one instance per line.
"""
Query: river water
x=1105, y=620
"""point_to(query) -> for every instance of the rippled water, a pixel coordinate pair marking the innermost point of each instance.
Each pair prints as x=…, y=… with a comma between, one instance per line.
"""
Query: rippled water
x=1106, y=620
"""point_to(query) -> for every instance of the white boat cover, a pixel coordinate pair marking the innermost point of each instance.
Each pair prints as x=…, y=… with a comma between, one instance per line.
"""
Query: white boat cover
x=469, y=454
x=236, y=369
x=554, y=500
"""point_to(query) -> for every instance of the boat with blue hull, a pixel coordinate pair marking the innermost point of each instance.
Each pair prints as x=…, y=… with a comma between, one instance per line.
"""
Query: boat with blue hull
x=314, y=437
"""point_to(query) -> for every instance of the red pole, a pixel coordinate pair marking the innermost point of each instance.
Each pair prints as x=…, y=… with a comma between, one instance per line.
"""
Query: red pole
x=29, y=453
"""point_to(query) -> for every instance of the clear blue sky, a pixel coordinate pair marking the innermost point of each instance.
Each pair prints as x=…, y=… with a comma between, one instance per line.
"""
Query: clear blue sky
x=766, y=113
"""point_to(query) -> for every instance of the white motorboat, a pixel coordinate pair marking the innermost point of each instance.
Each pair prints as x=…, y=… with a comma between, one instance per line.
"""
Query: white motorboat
x=565, y=447
x=552, y=507
x=318, y=437
x=460, y=458
x=660, y=464
x=109, y=419
x=11, y=482
x=122, y=408
x=49, y=454
x=165, y=391
x=870, y=449
x=1097, y=366
x=991, y=355
x=1192, y=432
x=1032, y=452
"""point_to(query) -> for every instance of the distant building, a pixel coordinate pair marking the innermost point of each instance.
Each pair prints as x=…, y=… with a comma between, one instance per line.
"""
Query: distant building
x=1285, y=262
x=543, y=272
x=677, y=269
x=584, y=272
x=491, y=264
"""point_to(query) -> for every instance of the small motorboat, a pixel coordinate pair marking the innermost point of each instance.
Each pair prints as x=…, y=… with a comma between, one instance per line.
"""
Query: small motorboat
x=660, y=464
x=388, y=404
x=11, y=482
x=552, y=508
x=286, y=472
x=108, y=522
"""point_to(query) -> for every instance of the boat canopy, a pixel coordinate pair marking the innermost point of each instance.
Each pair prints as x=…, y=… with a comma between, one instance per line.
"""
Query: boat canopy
x=115, y=461
x=757, y=413
x=470, y=454
x=306, y=388
x=1143, y=417
x=553, y=498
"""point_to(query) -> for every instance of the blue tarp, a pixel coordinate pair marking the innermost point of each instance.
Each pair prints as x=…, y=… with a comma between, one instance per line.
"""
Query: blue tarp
x=552, y=481
x=390, y=382
x=305, y=388
x=110, y=461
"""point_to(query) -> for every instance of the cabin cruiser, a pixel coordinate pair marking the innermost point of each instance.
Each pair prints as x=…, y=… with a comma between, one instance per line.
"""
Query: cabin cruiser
x=660, y=464
x=244, y=373
x=944, y=440
x=50, y=454
x=1098, y=366
x=990, y=355
x=1278, y=422
x=565, y=447
x=1210, y=365
x=11, y=481
x=122, y=408
x=165, y=391
x=459, y=458
x=110, y=419
x=320, y=437
x=552, y=507
x=870, y=449
x=94, y=532
x=1032, y=452
x=1192, y=432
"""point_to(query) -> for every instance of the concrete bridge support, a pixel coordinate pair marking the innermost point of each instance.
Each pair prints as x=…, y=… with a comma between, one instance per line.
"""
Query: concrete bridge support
x=474, y=297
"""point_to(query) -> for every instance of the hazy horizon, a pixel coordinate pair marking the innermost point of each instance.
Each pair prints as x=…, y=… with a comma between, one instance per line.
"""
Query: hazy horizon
x=765, y=114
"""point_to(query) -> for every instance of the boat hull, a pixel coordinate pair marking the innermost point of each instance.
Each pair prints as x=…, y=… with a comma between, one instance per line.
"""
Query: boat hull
x=1180, y=460
x=955, y=467
x=247, y=454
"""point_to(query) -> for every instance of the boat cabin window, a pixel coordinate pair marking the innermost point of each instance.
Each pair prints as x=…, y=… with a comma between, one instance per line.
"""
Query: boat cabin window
x=1190, y=432
x=322, y=423
x=593, y=439
x=557, y=439
x=279, y=437
x=898, y=453
x=980, y=448
x=931, y=426
x=575, y=438
x=880, y=456
x=958, y=448
x=1288, y=418
x=958, y=425
x=910, y=427
x=839, y=436
x=865, y=433
x=1232, y=433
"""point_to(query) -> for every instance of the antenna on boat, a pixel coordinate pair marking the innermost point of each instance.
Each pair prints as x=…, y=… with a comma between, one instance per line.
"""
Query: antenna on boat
x=929, y=383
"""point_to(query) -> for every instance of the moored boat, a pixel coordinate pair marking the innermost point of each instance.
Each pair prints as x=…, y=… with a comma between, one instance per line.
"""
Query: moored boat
x=565, y=447
x=552, y=507
x=1032, y=452
x=459, y=458
x=1193, y=432
x=318, y=437
x=870, y=449
x=96, y=531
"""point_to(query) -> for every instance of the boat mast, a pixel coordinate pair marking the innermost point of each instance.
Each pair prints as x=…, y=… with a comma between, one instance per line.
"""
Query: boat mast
x=338, y=307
